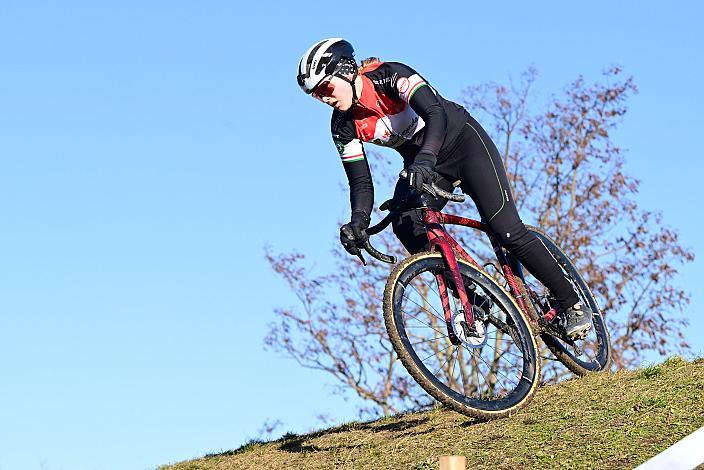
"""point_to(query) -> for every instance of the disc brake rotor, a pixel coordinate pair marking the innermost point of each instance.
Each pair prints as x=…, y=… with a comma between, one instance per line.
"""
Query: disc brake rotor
x=470, y=339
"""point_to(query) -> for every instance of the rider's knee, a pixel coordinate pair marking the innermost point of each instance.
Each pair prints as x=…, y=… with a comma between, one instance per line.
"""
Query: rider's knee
x=513, y=237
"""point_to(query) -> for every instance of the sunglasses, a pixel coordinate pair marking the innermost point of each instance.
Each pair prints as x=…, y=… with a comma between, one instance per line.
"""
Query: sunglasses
x=324, y=89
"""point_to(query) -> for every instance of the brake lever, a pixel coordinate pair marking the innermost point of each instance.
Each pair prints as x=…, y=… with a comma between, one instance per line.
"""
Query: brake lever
x=436, y=191
x=430, y=189
x=361, y=258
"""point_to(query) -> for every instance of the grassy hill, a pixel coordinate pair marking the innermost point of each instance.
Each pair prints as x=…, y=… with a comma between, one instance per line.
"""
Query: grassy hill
x=601, y=421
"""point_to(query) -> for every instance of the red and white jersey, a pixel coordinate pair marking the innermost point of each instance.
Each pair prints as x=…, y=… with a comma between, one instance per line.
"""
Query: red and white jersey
x=384, y=115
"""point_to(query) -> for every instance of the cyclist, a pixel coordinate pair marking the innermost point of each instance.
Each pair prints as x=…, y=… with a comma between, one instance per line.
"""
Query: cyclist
x=390, y=104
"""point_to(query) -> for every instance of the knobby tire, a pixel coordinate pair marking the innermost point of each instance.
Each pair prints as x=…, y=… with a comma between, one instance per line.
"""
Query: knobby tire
x=561, y=351
x=479, y=407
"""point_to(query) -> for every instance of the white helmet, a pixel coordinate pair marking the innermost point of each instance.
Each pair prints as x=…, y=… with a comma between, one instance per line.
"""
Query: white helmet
x=328, y=57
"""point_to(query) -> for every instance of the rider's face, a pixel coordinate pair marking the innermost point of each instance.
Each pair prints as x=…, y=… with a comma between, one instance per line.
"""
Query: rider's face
x=334, y=92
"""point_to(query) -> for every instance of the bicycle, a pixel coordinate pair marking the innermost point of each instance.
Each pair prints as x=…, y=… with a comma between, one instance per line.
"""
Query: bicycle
x=477, y=316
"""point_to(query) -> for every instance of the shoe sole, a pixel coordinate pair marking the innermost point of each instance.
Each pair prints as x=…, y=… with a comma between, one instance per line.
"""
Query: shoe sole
x=581, y=333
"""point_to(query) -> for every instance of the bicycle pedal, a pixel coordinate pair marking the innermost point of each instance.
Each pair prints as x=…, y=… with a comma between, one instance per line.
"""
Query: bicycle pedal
x=581, y=335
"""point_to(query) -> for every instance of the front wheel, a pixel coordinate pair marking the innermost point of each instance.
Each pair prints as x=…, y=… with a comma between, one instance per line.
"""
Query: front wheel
x=592, y=353
x=487, y=375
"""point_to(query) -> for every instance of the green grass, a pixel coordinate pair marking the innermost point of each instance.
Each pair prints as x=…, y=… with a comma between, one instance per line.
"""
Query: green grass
x=600, y=421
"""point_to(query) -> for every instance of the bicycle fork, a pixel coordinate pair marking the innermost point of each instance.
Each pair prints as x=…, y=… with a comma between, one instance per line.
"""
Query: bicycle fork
x=438, y=241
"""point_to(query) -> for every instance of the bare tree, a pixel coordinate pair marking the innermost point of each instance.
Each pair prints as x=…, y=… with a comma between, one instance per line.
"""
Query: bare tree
x=569, y=178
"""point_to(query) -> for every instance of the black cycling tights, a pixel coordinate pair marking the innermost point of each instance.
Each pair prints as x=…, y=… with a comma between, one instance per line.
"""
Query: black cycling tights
x=476, y=162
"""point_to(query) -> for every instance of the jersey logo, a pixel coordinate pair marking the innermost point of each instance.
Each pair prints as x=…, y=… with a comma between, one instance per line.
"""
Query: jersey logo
x=403, y=85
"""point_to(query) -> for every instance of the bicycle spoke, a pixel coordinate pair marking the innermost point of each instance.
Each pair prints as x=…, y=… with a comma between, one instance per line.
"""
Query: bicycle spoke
x=443, y=364
x=426, y=324
x=464, y=384
x=497, y=371
x=452, y=366
x=434, y=352
x=505, y=351
x=421, y=295
x=425, y=309
x=476, y=368
x=502, y=339
x=429, y=340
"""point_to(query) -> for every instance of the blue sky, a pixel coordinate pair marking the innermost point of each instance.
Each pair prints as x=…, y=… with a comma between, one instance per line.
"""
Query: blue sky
x=150, y=150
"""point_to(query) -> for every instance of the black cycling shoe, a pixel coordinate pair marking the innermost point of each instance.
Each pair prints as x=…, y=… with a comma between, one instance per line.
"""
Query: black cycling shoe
x=578, y=321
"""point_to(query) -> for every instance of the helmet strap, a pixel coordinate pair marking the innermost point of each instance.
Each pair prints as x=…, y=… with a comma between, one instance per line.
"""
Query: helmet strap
x=354, y=89
x=342, y=71
x=355, y=98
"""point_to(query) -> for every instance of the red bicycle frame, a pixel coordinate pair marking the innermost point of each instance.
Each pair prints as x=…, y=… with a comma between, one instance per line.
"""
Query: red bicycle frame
x=450, y=250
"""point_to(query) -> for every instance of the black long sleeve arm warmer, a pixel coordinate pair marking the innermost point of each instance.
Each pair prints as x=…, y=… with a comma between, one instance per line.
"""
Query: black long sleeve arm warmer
x=361, y=186
x=426, y=104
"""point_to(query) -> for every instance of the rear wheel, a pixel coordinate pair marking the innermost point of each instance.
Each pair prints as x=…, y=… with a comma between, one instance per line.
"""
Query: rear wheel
x=487, y=375
x=590, y=354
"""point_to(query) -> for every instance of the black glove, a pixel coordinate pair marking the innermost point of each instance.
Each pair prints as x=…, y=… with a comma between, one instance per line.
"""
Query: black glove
x=420, y=172
x=352, y=234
